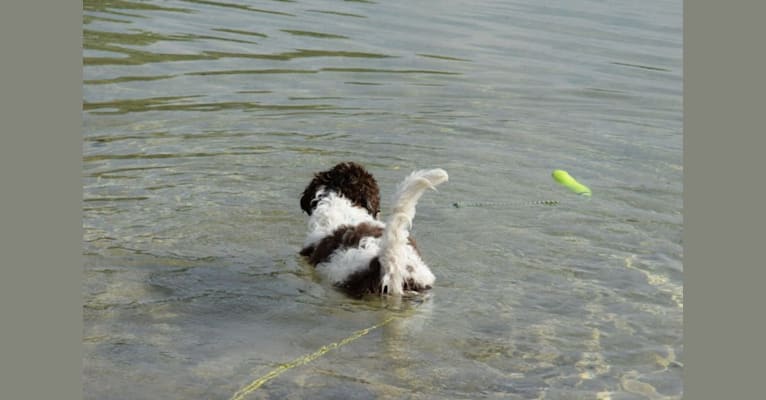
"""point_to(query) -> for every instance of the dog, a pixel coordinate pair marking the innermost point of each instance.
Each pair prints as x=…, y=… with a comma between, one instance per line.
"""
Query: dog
x=350, y=246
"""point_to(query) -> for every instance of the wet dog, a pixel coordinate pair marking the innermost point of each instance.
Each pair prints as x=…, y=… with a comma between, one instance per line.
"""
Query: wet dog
x=350, y=246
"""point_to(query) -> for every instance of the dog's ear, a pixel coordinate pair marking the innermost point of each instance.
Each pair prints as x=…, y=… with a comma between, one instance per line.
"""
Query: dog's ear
x=372, y=202
x=361, y=188
x=373, y=209
x=307, y=198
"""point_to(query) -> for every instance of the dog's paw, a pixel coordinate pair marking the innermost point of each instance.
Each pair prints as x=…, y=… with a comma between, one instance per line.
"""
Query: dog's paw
x=392, y=284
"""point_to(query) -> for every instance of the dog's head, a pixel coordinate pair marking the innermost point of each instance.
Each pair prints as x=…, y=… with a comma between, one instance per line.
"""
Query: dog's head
x=348, y=179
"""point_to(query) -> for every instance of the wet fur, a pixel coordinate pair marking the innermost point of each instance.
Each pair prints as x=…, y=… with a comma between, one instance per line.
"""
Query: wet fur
x=347, y=243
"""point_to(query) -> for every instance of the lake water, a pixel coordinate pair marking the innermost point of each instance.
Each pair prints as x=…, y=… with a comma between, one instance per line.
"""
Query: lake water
x=203, y=120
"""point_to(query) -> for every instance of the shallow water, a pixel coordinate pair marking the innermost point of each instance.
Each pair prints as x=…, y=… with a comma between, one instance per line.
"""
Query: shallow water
x=204, y=120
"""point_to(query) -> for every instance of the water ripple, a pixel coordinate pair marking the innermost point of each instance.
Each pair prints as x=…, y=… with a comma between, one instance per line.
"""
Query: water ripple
x=112, y=5
x=237, y=6
x=319, y=35
x=172, y=104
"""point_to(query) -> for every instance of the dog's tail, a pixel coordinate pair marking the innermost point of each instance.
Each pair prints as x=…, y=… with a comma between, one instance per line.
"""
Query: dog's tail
x=397, y=231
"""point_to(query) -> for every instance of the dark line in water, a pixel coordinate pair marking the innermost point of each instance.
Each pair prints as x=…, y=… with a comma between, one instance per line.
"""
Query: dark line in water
x=158, y=187
x=298, y=53
x=205, y=107
x=138, y=57
x=302, y=113
x=107, y=6
x=610, y=91
x=241, y=32
x=127, y=79
x=96, y=174
x=116, y=138
x=254, y=71
x=592, y=92
x=313, y=34
x=95, y=40
x=444, y=57
x=124, y=14
x=115, y=198
x=87, y=19
x=221, y=39
x=342, y=14
x=237, y=6
x=315, y=98
x=641, y=66
x=329, y=69
x=104, y=176
x=101, y=40
x=328, y=135
x=389, y=71
x=137, y=104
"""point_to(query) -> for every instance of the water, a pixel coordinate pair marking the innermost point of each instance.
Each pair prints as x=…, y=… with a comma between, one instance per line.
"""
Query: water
x=204, y=120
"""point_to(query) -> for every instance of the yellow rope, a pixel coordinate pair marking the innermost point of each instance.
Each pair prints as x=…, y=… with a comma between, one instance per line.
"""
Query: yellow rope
x=304, y=360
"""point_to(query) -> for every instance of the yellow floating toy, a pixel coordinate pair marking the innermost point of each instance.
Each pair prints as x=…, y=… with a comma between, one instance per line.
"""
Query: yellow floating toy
x=565, y=179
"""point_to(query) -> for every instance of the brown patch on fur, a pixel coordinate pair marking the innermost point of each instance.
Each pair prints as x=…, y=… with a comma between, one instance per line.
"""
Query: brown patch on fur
x=343, y=237
x=306, y=251
x=410, y=284
x=325, y=247
x=357, y=233
x=364, y=282
x=368, y=282
x=348, y=179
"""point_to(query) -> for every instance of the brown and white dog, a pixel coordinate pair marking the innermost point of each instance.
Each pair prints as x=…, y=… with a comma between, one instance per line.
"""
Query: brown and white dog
x=348, y=244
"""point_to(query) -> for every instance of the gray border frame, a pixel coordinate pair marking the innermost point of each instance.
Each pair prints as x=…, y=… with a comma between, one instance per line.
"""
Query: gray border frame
x=40, y=171
x=40, y=206
x=723, y=223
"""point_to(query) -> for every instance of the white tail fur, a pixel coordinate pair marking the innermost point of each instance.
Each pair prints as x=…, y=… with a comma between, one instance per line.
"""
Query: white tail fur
x=397, y=231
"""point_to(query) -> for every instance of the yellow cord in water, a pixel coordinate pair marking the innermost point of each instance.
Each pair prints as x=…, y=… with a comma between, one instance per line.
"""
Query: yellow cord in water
x=304, y=360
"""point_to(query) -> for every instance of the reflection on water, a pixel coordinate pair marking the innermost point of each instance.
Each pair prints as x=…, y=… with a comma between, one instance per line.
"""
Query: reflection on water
x=203, y=121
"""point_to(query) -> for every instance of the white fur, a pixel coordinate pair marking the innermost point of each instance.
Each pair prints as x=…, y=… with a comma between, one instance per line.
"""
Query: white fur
x=332, y=212
x=345, y=262
x=395, y=254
